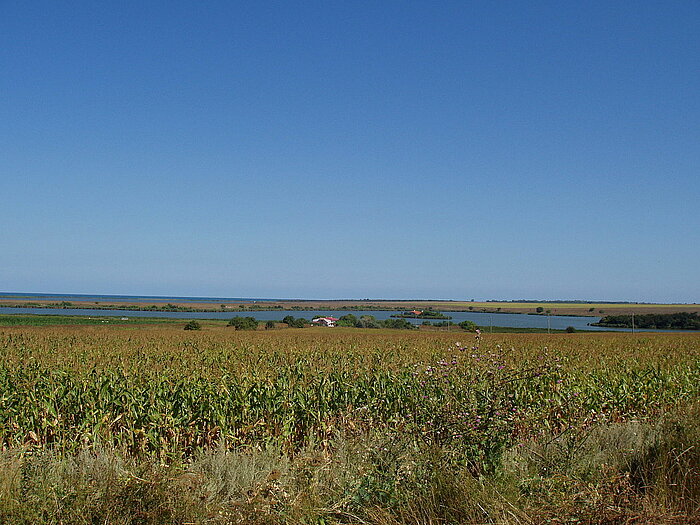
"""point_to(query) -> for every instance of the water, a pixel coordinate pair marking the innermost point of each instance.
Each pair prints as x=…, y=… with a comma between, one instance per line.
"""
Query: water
x=128, y=298
x=482, y=319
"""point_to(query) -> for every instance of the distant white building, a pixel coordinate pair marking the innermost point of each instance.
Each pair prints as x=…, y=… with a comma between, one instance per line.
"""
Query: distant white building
x=325, y=321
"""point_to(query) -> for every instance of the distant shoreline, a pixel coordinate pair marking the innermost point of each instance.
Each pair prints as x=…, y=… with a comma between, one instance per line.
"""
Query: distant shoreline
x=181, y=304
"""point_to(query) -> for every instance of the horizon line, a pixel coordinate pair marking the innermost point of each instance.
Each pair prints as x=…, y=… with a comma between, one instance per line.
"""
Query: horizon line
x=272, y=299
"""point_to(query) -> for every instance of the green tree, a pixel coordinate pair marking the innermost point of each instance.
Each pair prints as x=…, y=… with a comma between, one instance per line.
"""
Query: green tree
x=270, y=325
x=347, y=320
x=244, y=323
x=193, y=325
x=539, y=309
x=292, y=322
x=469, y=326
x=400, y=324
x=369, y=321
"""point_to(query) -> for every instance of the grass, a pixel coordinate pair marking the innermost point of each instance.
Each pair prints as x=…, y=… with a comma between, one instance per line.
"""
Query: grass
x=59, y=320
x=154, y=424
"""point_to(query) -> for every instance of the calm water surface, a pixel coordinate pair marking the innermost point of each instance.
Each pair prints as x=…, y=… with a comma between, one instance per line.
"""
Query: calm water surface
x=482, y=319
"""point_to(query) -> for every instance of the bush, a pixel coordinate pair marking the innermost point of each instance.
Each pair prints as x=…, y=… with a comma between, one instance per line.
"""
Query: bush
x=244, y=323
x=369, y=321
x=270, y=325
x=347, y=320
x=292, y=322
x=193, y=325
x=570, y=329
x=469, y=326
x=400, y=324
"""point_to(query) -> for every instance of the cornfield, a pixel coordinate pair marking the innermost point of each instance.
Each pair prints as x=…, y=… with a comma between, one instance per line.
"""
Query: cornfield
x=165, y=395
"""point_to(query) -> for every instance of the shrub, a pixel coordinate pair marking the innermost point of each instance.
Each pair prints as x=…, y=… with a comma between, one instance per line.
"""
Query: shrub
x=193, y=325
x=570, y=329
x=400, y=324
x=244, y=323
x=469, y=326
x=369, y=321
x=347, y=320
x=293, y=322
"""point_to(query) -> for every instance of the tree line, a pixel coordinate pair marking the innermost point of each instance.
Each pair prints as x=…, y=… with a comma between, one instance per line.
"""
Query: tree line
x=348, y=320
x=674, y=321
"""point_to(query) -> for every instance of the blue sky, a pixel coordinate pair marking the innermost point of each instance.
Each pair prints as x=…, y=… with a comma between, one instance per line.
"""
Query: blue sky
x=351, y=149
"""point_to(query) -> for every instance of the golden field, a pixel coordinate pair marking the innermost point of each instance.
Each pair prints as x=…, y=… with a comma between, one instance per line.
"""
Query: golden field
x=346, y=425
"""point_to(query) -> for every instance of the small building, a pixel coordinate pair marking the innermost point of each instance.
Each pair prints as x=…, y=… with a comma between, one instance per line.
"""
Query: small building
x=325, y=321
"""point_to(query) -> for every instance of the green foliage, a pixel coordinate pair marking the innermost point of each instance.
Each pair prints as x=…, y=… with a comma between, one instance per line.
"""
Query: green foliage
x=607, y=473
x=292, y=322
x=539, y=309
x=244, y=323
x=193, y=325
x=673, y=321
x=368, y=321
x=400, y=324
x=315, y=426
x=348, y=320
x=57, y=320
x=469, y=326
x=425, y=314
x=269, y=325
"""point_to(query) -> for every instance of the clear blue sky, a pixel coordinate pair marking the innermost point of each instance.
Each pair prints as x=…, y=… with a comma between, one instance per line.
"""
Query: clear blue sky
x=351, y=149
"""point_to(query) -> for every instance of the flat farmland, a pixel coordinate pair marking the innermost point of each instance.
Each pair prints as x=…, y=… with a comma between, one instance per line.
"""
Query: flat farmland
x=346, y=425
x=555, y=308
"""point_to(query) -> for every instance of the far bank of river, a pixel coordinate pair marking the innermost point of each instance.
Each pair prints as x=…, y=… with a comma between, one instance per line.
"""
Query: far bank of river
x=480, y=318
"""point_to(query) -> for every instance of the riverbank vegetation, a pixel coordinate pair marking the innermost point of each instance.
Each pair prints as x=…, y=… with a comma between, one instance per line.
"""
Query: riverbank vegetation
x=556, y=308
x=109, y=424
x=674, y=321
x=61, y=320
x=422, y=314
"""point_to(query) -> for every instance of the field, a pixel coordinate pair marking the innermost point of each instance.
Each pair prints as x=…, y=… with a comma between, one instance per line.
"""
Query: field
x=154, y=424
x=555, y=308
